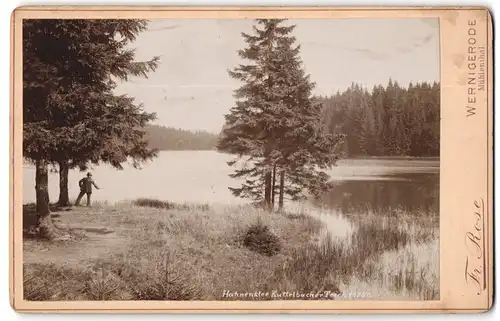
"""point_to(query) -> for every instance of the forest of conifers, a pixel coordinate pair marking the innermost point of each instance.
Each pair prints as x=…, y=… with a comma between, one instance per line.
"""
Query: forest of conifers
x=386, y=121
x=168, y=138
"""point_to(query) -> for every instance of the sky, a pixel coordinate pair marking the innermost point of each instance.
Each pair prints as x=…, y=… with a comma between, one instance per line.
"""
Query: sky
x=192, y=90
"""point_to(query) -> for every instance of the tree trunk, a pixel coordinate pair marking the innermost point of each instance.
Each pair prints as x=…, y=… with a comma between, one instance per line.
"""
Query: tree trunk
x=63, y=183
x=45, y=226
x=267, y=191
x=282, y=190
x=273, y=187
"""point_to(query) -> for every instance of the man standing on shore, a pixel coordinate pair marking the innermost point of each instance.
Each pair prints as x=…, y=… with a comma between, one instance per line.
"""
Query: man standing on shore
x=85, y=188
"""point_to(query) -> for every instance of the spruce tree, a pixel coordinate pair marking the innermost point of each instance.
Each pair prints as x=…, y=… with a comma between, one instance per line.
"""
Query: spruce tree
x=71, y=116
x=275, y=125
x=304, y=147
x=249, y=126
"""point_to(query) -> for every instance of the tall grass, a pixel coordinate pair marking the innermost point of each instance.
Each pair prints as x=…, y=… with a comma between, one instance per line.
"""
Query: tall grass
x=391, y=253
x=407, y=269
x=174, y=253
x=190, y=252
x=328, y=265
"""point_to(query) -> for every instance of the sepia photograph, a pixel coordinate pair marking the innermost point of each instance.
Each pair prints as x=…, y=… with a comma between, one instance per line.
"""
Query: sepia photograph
x=220, y=159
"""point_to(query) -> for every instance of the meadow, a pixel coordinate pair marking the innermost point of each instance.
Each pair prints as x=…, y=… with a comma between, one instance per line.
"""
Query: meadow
x=149, y=249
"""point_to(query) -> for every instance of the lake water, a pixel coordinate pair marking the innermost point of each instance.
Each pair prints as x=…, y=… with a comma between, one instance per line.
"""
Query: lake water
x=202, y=177
x=384, y=183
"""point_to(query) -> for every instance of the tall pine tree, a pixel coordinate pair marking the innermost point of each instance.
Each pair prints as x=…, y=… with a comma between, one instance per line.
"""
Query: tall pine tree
x=71, y=116
x=275, y=126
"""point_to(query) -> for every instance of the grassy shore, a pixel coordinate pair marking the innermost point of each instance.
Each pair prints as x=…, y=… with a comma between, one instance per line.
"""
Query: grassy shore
x=155, y=250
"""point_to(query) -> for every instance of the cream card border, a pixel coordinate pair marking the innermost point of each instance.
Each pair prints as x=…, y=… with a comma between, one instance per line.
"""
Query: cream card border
x=466, y=180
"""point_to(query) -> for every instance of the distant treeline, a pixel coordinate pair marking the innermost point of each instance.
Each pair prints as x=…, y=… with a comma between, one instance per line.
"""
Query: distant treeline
x=388, y=121
x=168, y=138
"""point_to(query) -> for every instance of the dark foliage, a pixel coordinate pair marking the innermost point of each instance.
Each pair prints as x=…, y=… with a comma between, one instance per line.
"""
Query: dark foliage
x=70, y=111
x=260, y=239
x=154, y=203
x=388, y=121
x=275, y=126
x=71, y=115
x=164, y=284
x=148, y=202
x=168, y=138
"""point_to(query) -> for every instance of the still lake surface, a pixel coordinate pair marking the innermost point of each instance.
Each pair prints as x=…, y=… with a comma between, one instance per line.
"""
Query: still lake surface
x=202, y=177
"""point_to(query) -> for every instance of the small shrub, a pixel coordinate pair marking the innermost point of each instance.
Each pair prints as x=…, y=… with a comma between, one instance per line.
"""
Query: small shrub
x=260, y=239
x=103, y=286
x=148, y=202
x=162, y=282
x=154, y=203
x=164, y=289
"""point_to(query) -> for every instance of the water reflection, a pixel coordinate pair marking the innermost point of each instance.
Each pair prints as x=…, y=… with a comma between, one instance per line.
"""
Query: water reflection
x=409, y=191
